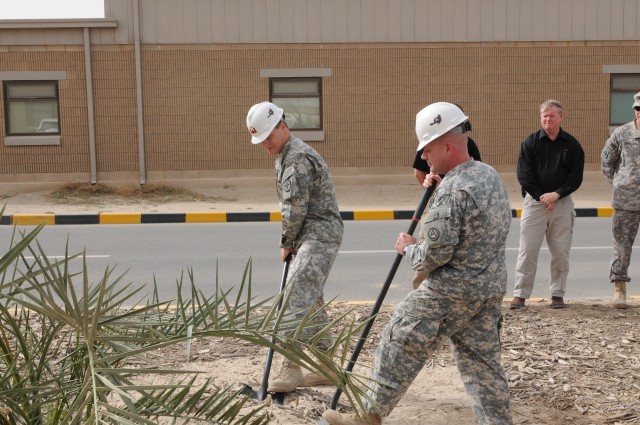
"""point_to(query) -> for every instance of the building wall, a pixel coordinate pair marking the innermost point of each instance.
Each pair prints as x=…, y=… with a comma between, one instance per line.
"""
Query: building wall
x=196, y=98
x=373, y=21
x=201, y=63
x=72, y=156
x=371, y=98
x=344, y=21
x=114, y=88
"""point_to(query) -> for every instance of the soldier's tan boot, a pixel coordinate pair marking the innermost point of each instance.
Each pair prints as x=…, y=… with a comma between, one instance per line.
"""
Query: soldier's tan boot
x=288, y=379
x=336, y=418
x=620, y=295
x=315, y=378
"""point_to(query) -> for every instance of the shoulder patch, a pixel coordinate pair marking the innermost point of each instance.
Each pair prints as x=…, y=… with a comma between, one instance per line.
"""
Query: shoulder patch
x=433, y=234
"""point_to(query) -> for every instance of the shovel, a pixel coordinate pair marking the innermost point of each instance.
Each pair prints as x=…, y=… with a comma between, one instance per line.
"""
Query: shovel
x=261, y=393
x=383, y=293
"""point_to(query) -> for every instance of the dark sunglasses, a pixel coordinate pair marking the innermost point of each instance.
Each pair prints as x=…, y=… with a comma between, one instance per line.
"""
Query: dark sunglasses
x=637, y=108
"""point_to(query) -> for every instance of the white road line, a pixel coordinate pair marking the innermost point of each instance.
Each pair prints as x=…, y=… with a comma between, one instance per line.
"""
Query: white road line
x=368, y=252
x=62, y=257
x=580, y=248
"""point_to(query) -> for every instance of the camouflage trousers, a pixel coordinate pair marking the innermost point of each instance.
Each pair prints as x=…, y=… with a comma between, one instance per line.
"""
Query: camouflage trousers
x=413, y=334
x=624, y=229
x=308, y=273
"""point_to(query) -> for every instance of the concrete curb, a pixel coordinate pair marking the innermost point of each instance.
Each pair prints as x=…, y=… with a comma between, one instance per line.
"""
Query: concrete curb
x=226, y=217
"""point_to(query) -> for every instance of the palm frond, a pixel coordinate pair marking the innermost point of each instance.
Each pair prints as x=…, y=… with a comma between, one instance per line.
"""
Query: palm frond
x=66, y=344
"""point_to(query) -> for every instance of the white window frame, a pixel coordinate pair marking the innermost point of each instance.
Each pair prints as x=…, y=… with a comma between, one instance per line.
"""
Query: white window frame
x=615, y=71
x=26, y=76
x=302, y=73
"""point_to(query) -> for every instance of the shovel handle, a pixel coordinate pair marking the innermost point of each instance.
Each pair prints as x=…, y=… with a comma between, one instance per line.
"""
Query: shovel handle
x=262, y=391
x=383, y=293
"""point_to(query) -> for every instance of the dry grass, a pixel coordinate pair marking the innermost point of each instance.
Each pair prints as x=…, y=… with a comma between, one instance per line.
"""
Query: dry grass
x=95, y=193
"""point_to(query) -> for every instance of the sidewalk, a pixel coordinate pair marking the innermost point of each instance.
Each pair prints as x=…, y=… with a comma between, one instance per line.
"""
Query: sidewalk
x=360, y=197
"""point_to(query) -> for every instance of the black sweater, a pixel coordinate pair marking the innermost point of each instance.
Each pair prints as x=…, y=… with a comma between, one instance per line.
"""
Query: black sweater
x=550, y=166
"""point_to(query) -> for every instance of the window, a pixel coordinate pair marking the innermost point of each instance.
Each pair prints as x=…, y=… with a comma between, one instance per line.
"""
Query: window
x=623, y=87
x=31, y=108
x=301, y=99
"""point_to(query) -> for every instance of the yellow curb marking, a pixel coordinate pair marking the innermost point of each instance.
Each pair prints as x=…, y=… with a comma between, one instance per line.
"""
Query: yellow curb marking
x=605, y=212
x=373, y=215
x=33, y=219
x=275, y=216
x=118, y=218
x=203, y=217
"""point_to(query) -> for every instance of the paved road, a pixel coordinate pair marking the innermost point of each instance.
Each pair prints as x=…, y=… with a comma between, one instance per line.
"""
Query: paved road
x=167, y=250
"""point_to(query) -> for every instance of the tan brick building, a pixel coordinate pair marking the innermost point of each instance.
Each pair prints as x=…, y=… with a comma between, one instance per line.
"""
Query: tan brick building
x=159, y=89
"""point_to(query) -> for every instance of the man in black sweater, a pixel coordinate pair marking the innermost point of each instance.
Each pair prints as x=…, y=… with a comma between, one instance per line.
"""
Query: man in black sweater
x=550, y=169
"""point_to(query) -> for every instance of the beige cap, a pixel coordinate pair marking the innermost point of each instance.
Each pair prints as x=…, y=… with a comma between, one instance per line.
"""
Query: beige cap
x=636, y=99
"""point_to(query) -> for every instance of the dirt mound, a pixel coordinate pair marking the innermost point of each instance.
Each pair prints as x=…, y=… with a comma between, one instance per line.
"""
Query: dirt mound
x=578, y=365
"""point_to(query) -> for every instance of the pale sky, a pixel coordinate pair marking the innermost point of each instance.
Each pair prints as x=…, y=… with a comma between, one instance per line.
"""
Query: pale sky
x=51, y=9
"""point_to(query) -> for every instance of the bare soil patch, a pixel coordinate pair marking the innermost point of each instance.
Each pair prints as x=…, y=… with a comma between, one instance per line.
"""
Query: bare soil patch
x=579, y=365
x=96, y=194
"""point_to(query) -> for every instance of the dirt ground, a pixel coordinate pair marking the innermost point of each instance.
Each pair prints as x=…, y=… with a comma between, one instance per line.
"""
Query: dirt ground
x=579, y=365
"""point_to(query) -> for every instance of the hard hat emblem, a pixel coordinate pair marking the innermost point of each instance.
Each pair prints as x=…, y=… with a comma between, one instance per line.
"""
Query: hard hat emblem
x=437, y=120
x=253, y=130
x=270, y=113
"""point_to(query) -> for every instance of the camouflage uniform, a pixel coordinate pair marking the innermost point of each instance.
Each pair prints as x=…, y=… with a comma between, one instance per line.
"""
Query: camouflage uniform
x=311, y=223
x=463, y=254
x=420, y=276
x=620, y=163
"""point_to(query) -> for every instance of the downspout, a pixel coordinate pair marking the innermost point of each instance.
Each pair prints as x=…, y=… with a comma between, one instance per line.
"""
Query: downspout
x=139, y=104
x=90, y=112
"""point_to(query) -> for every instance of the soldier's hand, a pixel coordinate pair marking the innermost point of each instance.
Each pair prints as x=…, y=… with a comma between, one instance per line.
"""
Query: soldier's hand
x=431, y=179
x=403, y=240
x=285, y=252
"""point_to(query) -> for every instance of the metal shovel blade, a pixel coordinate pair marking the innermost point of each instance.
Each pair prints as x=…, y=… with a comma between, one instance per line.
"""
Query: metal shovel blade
x=261, y=394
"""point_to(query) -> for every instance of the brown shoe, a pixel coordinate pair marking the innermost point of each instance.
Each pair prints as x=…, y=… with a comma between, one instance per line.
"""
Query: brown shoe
x=517, y=303
x=316, y=378
x=336, y=418
x=620, y=295
x=557, y=302
x=289, y=378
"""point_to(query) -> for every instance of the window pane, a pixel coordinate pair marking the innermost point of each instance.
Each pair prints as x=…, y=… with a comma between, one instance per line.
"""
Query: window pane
x=625, y=82
x=31, y=108
x=295, y=87
x=31, y=90
x=300, y=113
x=621, y=109
x=33, y=117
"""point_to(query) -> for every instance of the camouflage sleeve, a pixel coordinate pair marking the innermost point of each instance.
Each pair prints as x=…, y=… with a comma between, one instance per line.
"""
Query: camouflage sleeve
x=296, y=183
x=441, y=228
x=610, y=156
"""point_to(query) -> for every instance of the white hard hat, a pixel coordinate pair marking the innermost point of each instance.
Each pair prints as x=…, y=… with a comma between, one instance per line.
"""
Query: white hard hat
x=262, y=119
x=437, y=119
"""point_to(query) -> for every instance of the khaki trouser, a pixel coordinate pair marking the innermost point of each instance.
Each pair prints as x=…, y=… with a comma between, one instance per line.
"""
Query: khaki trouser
x=556, y=226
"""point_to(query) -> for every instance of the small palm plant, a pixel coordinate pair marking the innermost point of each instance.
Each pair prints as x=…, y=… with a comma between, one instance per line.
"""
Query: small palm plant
x=67, y=346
